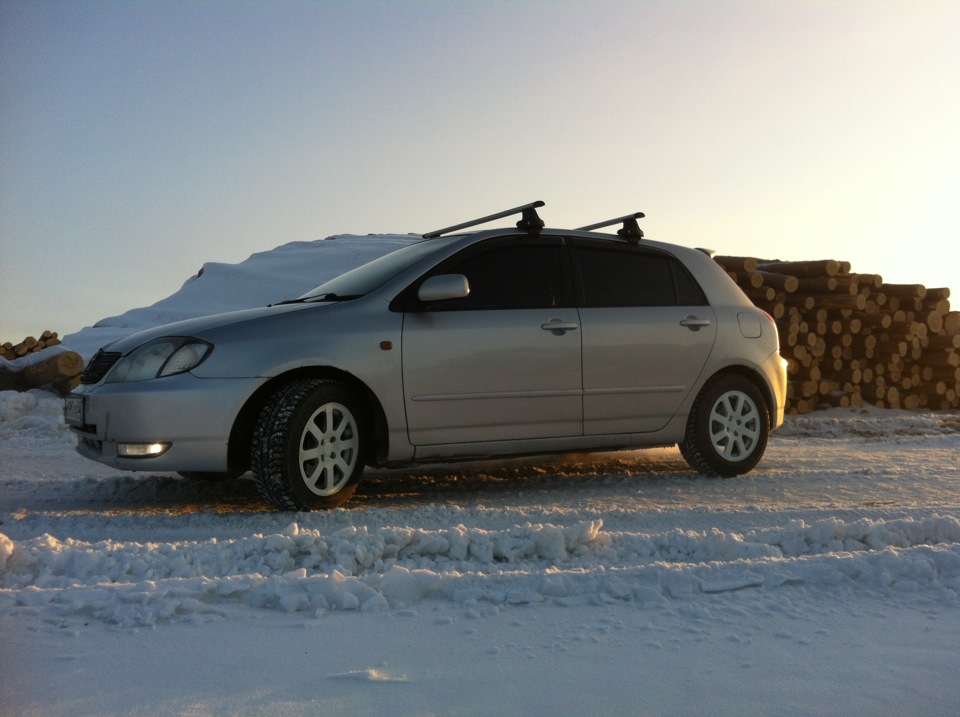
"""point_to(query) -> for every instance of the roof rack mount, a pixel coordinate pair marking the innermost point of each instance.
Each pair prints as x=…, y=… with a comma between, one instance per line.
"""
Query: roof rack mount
x=630, y=230
x=530, y=221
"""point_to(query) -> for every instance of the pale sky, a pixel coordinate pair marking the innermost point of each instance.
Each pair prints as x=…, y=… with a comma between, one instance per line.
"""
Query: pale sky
x=139, y=140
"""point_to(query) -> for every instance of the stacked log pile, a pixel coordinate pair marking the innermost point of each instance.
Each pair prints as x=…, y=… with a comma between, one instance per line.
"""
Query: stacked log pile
x=58, y=370
x=29, y=345
x=851, y=339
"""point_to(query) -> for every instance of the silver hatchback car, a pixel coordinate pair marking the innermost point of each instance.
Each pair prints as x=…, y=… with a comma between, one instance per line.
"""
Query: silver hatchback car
x=466, y=345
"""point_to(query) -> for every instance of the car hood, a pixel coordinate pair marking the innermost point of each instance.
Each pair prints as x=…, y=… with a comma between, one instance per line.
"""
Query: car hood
x=199, y=326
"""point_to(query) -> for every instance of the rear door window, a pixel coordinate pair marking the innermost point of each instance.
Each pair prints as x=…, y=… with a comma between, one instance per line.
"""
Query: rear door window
x=628, y=275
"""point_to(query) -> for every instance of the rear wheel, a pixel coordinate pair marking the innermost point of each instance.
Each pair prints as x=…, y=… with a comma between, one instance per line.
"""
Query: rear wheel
x=727, y=428
x=307, y=447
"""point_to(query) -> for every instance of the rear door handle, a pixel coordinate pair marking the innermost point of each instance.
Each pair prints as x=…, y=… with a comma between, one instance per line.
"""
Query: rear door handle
x=694, y=324
x=559, y=327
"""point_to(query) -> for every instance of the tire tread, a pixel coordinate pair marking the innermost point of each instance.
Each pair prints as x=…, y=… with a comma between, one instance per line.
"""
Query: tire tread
x=268, y=445
x=693, y=447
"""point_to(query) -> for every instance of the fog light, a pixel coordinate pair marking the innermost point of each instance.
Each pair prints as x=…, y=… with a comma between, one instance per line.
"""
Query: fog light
x=141, y=450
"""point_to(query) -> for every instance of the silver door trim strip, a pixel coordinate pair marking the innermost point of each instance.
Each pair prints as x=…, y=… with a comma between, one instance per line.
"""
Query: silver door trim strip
x=548, y=393
x=633, y=389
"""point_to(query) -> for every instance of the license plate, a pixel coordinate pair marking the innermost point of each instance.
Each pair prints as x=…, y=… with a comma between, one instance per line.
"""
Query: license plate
x=73, y=410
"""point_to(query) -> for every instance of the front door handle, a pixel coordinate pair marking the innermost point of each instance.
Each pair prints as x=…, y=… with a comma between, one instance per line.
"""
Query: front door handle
x=558, y=327
x=694, y=324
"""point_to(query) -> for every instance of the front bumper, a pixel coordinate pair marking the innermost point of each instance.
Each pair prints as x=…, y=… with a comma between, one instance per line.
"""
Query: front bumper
x=194, y=416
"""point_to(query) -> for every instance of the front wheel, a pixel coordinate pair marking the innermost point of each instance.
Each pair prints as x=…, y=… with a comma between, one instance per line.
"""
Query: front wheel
x=307, y=447
x=727, y=428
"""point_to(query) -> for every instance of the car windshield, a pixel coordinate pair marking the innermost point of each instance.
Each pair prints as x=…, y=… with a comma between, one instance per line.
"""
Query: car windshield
x=370, y=276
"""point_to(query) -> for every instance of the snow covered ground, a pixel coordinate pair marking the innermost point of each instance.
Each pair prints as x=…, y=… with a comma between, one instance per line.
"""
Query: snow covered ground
x=824, y=582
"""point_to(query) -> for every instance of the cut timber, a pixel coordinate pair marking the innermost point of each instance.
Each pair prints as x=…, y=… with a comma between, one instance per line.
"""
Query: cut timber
x=808, y=269
x=66, y=364
x=29, y=345
x=951, y=322
x=868, y=281
x=943, y=341
x=60, y=371
x=828, y=284
x=917, y=291
x=25, y=347
x=840, y=301
x=850, y=337
x=737, y=263
x=783, y=282
x=934, y=320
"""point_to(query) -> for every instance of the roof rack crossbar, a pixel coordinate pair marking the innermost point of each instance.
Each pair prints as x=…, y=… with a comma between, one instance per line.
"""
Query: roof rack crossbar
x=630, y=230
x=530, y=222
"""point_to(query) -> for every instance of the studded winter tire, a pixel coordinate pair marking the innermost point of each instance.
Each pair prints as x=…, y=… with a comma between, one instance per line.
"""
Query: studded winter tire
x=307, y=448
x=727, y=428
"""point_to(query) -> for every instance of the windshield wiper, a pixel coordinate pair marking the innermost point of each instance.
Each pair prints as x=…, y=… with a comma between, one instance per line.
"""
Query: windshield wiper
x=318, y=297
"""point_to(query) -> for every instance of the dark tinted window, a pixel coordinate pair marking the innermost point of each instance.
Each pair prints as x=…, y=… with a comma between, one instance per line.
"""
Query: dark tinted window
x=626, y=276
x=689, y=292
x=514, y=276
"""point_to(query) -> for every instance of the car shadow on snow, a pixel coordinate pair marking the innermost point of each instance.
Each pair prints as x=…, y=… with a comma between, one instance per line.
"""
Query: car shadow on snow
x=501, y=481
x=466, y=484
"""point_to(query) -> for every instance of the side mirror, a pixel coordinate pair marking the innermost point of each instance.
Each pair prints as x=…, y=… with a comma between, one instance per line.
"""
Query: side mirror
x=443, y=288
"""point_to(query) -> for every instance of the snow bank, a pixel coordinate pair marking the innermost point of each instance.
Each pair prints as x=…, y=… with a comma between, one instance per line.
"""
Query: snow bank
x=302, y=570
x=31, y=413
x=6, y=550
x=267, y=277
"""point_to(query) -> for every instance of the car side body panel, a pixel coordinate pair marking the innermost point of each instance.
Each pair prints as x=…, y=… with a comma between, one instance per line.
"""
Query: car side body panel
x=639, y=364
x=473, y=376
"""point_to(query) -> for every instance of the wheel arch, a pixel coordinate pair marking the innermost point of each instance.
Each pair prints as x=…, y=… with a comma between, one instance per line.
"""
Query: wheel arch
x=756, y=379
x=238, y=449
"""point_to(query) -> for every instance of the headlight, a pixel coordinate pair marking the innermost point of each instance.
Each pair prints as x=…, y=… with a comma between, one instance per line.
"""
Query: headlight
x=160, y=357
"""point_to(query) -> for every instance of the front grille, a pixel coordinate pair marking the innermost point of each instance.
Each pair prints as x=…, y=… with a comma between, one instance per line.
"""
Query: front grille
x=99, y=365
